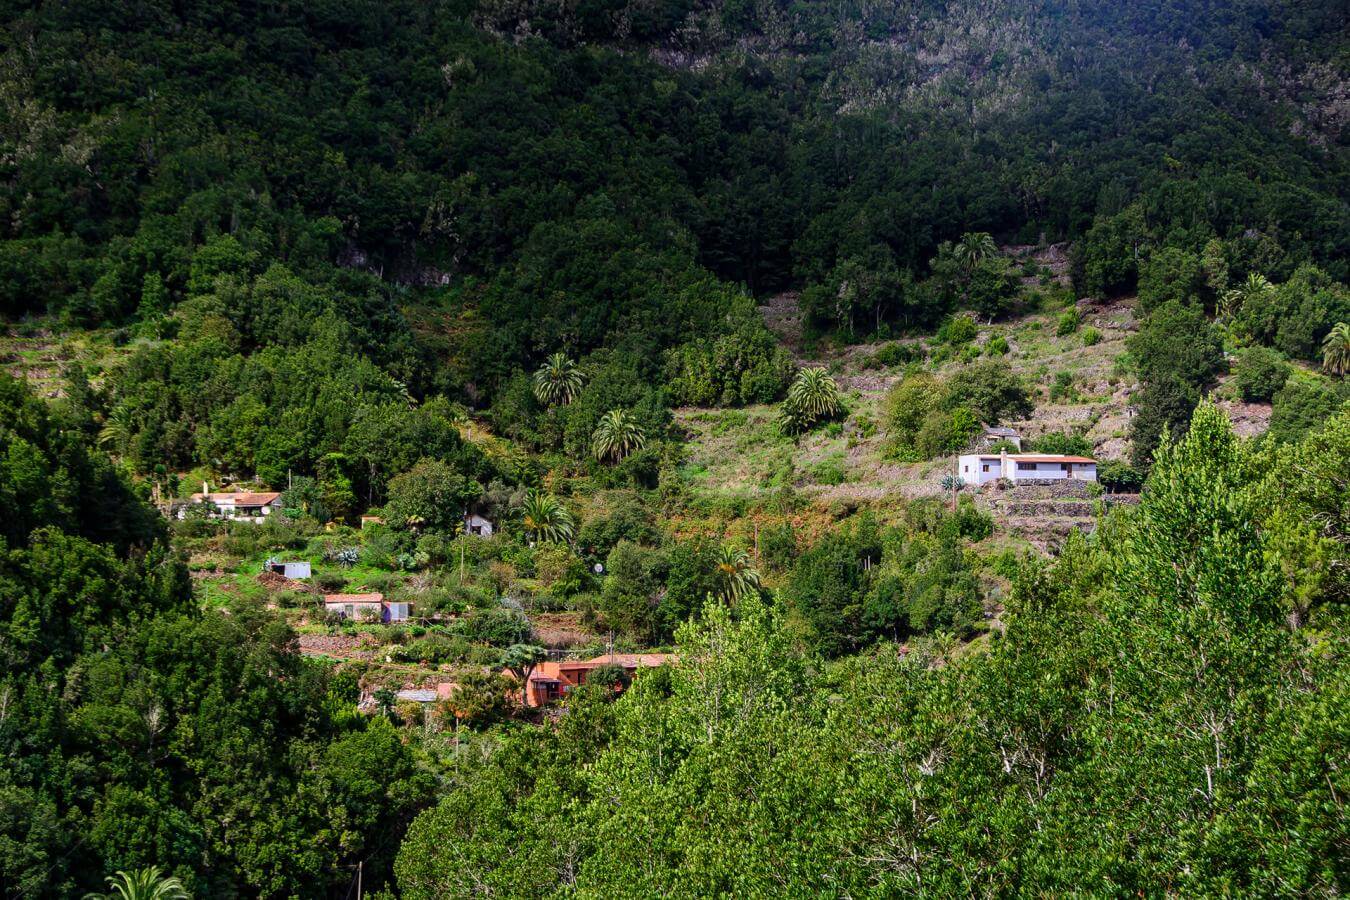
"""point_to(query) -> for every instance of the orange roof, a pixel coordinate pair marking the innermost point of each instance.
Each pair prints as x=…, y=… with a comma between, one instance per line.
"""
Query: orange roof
x=354, y=598
x=240, y=498
x=553, y=671
x=1038, y=457
x=633, y=660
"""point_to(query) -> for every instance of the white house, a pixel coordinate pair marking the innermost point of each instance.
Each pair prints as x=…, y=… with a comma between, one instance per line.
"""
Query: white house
x=244, y=506
x=479, y=525
x=354, y=606
x=982, y=468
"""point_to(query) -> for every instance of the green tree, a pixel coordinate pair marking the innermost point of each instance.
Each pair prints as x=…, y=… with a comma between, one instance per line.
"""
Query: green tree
x=1178, y=354
x=812, y=398
x=1170, y=274
x=142, y=884
x=545, y=519
x=989, y=389
x=736, y=575
x=520, y=660
x=1260, y=373
x=972, y=248
x=431, y=495
x=558, y=381
x=616, y=435
x=1336, y=349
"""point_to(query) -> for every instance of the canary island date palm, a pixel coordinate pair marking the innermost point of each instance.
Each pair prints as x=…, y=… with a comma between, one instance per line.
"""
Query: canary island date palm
x=116, y=431
x=736, y=575
x=1255, y=287
x=617, y=435
x=1336, y=349
x=558, y=381
x=812, y=398
x=545, y=519
x=141, y=884
x=973, y=247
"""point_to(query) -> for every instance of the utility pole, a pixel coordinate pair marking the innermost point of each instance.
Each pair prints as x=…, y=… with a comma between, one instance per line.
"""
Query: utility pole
x=360, y=867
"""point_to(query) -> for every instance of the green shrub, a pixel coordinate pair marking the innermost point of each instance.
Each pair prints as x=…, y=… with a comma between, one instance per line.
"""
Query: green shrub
x=1091, y=336
x=958, y=330
x=1063, y=387
x=1302, y=405
x=898, y=354
x=997, y=346
x=1068, y=322
x=1061, y=442
x=497, y=626
x=1115, y=475
x=778, y=546
x=830, y=471
x=1260, y=374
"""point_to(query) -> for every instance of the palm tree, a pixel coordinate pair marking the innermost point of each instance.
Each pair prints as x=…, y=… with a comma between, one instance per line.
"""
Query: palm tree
x=1234, y=299
x=545, y=519
x=116, y=431
x=558, y=381
x=617, y=435
x=812, y=397
x=1336, y=349
x=521, y=659
x=736, y=575
x=142, y=884
x=973, y=247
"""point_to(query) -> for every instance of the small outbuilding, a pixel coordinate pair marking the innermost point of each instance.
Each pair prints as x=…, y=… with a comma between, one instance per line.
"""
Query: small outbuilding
x=295, y=571
x=479, y=525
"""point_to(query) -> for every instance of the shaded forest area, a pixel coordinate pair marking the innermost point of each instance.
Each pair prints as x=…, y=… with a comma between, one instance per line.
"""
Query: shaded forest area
x=404, y=258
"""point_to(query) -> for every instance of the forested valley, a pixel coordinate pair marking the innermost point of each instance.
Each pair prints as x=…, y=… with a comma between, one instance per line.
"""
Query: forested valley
x=493, y=448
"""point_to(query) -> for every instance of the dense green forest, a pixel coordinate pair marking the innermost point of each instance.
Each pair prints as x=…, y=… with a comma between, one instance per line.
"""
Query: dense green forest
x=406, y=259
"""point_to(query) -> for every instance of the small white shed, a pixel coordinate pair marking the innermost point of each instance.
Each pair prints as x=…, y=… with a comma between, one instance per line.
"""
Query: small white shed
x=293, y=570
x=479, y=525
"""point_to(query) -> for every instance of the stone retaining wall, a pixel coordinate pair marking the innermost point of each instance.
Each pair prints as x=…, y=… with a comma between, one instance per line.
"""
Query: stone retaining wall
x=1048, y=489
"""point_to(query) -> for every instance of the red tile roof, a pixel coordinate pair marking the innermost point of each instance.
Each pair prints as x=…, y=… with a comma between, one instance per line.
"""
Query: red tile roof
x=633, y=660
x=1039, y=457
x=240, y=498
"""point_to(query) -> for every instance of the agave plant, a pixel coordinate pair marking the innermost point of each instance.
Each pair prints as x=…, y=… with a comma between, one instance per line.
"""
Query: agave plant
x=1336, y=349
x=142, y=884
x=616, y=435
x=736, y=575
x=813, y=397
x=558, y=381
x=545, y=519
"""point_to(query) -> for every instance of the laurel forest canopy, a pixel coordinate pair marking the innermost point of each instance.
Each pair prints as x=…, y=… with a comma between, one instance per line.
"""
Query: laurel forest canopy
x=567, y=325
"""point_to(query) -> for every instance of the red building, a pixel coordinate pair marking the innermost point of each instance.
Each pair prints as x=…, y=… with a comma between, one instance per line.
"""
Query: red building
x=551, y=681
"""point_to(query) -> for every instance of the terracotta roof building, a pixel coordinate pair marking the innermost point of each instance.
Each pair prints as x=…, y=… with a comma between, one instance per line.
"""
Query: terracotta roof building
x=551, y=681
